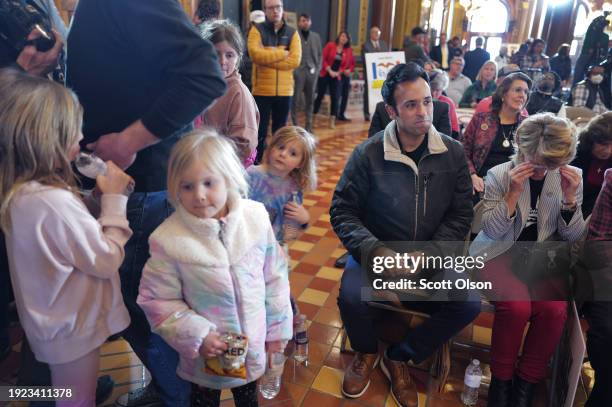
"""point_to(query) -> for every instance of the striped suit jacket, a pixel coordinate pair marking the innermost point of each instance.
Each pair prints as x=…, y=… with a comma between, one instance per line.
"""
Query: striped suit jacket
x=499, y=232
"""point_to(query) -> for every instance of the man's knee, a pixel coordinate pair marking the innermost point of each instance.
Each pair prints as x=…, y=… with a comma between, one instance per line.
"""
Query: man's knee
x=349, y=296
x=471, y=310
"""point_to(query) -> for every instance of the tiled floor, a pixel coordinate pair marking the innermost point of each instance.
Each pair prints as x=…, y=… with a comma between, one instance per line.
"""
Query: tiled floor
x=315, y=284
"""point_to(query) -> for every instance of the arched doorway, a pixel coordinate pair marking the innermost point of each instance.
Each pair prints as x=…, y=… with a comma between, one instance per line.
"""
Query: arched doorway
x=487, y=19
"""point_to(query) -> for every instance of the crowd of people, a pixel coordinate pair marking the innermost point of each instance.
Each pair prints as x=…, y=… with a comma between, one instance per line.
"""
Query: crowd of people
x=184, y=236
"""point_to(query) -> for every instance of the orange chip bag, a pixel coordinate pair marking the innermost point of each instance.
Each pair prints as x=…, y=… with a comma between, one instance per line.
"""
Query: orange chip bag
x=233, y=362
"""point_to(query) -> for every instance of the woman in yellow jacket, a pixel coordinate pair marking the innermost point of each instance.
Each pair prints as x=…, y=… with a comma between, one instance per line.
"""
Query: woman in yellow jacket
x=275, y=50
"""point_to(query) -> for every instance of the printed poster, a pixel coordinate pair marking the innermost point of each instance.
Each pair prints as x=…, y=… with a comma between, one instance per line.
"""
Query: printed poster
x=378, y=64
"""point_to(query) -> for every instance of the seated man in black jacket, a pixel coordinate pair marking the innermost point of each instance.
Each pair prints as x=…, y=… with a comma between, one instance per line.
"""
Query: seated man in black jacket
x=377, y=200
x=441, y=118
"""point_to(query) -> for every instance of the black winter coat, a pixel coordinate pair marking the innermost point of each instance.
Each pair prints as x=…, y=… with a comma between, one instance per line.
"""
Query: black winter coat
x=383, y=195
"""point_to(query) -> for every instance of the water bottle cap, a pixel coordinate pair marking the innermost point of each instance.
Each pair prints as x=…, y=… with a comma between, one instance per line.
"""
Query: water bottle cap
x=476, y=362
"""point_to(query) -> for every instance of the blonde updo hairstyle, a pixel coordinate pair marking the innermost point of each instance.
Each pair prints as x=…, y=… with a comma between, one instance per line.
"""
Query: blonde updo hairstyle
x=550, y=139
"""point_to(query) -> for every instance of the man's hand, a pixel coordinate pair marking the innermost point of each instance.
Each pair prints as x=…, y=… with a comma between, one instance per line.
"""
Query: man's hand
x=397, y=271
x=121, y=148
x=39, y=63
x=114, y=147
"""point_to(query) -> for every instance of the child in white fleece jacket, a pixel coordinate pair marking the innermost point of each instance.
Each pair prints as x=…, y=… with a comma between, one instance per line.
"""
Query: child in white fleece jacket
x=63, y=262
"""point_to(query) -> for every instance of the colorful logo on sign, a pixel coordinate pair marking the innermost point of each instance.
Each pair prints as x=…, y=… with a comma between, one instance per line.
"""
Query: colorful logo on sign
x=380, y=71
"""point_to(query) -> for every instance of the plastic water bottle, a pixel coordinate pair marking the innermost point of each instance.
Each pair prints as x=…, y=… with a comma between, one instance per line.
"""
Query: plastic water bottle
x=269, y=386
x=471, y=383
x=92, y=166
x=301, y=340
x=269, y=383
x=89, y=165
x=291, y=228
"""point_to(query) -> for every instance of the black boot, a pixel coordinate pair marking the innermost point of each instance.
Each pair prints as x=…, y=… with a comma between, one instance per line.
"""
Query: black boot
x=341, y=261
x=499, y=393
x=522, y=392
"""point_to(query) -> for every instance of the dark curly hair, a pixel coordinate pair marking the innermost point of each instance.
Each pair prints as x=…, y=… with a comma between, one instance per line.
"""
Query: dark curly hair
x=348, y=38
x=504, y=87
x=599, y=130
x=208, y=9
x=401, y=73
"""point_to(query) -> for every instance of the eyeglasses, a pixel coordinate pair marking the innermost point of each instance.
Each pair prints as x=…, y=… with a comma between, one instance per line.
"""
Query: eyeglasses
x=278, y=7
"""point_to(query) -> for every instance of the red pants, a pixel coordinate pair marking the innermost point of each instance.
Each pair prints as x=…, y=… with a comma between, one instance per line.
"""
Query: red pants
x=547, y=320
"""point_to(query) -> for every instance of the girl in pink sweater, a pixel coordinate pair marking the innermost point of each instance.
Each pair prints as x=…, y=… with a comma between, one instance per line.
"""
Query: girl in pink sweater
x=234, y=114
x=63, y=262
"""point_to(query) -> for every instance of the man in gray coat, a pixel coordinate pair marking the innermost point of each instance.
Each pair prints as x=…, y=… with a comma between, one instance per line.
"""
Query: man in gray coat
x=373, y=44
x=306, y=75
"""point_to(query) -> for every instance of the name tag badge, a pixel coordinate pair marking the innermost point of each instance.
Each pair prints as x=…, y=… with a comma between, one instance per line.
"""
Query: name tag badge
x=484, y=127
x=312, y=71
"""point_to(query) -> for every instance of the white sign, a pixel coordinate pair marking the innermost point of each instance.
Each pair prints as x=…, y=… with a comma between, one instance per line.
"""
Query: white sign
x=378, y=65
x=578, y=347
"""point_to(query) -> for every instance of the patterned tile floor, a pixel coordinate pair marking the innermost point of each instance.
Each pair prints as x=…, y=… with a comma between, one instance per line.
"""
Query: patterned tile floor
x=315, y=284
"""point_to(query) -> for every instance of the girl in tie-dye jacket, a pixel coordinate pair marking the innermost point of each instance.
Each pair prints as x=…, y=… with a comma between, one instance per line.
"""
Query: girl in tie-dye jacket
x=215, y=267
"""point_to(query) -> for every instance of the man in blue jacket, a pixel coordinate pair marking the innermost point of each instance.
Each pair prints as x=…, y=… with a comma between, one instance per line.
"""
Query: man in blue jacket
x=474, y=59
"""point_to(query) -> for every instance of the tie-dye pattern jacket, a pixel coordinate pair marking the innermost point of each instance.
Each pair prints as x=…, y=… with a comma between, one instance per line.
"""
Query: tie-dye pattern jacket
x=228, y=275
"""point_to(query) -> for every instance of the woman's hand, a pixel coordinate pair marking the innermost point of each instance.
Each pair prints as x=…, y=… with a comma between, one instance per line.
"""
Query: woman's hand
x=297, y=212
x=347, y=72
x=477, y=184
x=333, y=74
x=518, y=176
x=115, y=181
x=570, y=180
x=212, y=346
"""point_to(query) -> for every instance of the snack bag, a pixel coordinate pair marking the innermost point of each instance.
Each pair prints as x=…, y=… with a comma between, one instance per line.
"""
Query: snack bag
x=233, y=362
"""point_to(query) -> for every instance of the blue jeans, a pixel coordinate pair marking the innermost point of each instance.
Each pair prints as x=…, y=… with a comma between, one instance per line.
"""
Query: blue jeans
x=447, y=318
x=145, y=212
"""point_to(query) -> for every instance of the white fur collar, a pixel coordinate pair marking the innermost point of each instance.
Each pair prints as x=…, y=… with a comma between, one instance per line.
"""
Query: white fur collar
x=211, y=242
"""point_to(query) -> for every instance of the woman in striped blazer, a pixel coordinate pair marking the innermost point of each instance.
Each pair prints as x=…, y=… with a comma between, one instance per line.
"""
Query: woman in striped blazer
x=534, y=197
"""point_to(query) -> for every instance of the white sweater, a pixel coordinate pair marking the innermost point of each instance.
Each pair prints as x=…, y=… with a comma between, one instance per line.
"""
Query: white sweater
x=63, y=266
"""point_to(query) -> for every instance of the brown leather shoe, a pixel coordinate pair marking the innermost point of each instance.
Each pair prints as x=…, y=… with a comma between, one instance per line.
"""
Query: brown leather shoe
x=357, y=376
x=403, y=388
